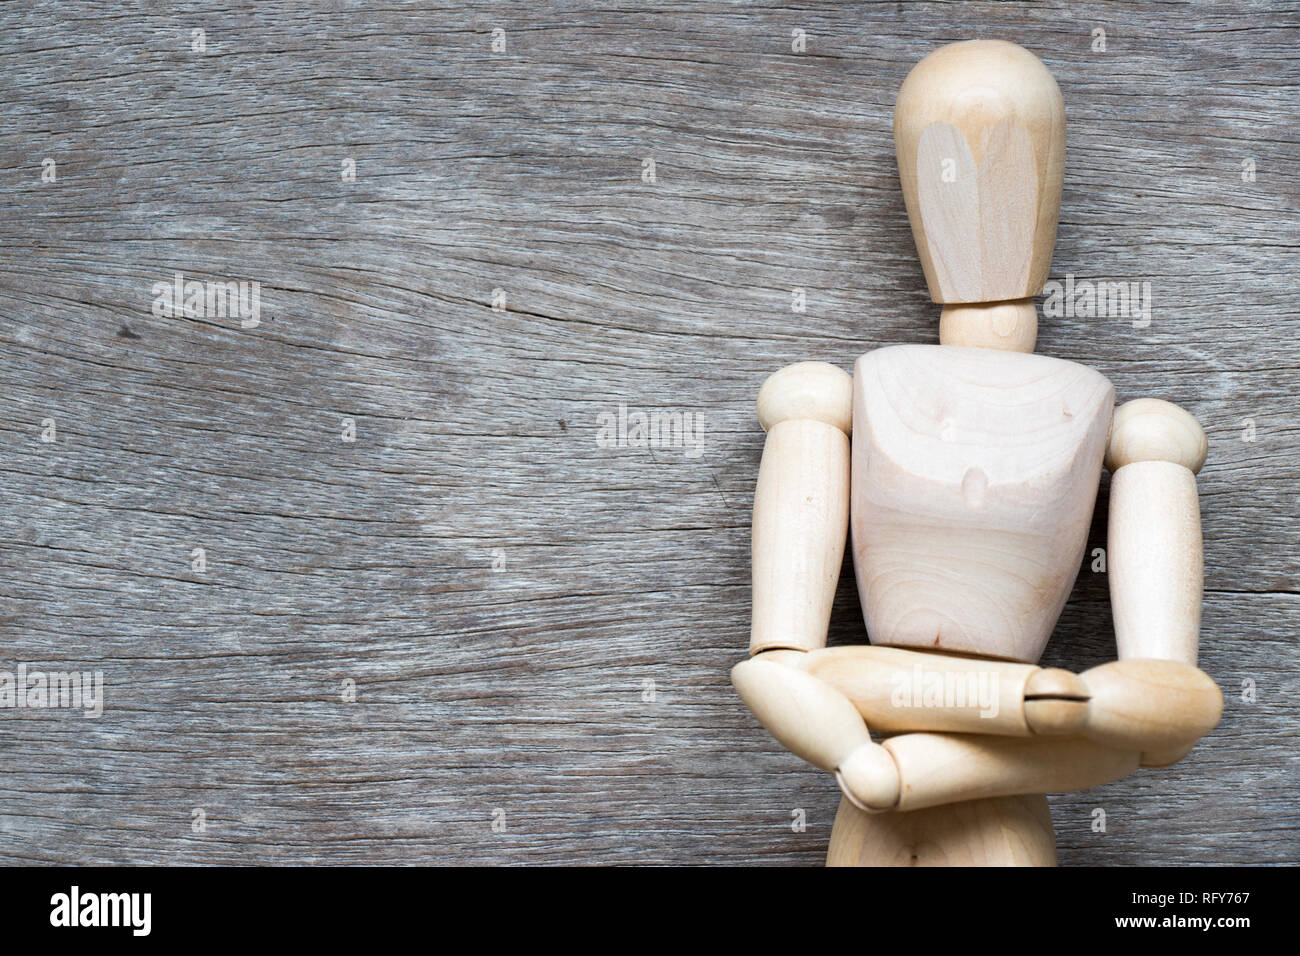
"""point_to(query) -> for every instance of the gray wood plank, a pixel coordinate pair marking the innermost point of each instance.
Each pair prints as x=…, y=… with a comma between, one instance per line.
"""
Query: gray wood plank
x=523, y=689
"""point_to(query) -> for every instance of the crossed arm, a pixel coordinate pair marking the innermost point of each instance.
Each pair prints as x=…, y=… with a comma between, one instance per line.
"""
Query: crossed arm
x=1029, y=729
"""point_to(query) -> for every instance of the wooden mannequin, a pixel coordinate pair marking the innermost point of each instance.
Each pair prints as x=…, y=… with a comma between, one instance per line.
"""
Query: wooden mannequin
x=969, y=484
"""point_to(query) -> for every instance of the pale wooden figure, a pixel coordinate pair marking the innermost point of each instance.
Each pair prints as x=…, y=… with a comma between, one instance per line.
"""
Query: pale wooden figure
x=967, y=473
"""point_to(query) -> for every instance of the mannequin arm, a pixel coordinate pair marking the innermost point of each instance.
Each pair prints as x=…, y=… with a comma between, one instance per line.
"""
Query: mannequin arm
x=1156, y=572
x=801, y=520
x=801, y=505
x=1139, y=704
x=1088, y=730
x=815, y=720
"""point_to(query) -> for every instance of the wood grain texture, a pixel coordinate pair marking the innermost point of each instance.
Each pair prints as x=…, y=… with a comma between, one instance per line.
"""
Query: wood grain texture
x=483, y=437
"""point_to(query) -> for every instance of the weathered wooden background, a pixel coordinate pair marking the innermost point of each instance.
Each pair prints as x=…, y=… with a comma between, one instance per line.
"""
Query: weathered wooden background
x=539, y=626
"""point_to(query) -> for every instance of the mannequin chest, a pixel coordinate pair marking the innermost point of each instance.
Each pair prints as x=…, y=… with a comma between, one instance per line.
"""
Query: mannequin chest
x=974, y=476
